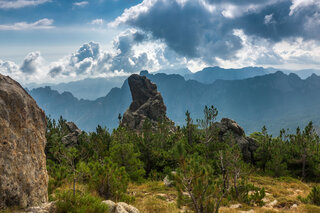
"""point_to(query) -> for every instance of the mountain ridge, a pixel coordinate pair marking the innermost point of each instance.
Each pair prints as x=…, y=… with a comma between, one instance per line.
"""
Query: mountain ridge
x=274, y=100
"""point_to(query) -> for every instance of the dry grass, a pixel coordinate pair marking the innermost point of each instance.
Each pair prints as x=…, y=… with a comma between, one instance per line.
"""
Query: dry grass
x=285, y=190
x=154, y=197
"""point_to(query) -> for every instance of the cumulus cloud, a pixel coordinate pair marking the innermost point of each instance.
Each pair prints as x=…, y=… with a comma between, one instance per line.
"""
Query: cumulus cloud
x=190, y=28
x=298, y=4
x=91, y=61
x=193, y=30
x=41, y=24
x=166, y=34
x=32, y=63
x=80, y=3
x=8, y=68
x=16, y=4
x=32, y=69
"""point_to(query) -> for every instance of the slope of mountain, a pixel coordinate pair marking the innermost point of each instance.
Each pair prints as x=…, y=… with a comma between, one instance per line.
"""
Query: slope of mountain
x=303, y=73
x=211, y=74
x=89, y=88
x=182, y=71
x=276, y=100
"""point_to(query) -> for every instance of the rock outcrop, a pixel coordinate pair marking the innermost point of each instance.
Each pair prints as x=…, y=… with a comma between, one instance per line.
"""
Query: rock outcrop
x=44, y=208
x=71, y=139
x=23, y=174
x=120, y=207
x=147, y=103
x=248, y=145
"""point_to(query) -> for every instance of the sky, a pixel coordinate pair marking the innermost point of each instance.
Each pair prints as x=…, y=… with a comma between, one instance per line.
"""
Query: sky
x=52, y=41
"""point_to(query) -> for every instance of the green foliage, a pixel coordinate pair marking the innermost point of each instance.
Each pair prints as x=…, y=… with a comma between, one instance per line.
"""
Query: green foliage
x=263, y=153
x=209, y=168
x=313, y=197
x=109, y=180
x=125, y=155
x=194, y=176
x=80, y=203
x=249, y=194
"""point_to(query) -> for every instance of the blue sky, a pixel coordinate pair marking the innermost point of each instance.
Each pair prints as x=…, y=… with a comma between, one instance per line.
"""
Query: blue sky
x=63, y=40
x=71, y=25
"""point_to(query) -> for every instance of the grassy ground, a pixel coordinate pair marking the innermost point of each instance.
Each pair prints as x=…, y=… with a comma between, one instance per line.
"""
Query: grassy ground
x=154, y=197
x=281, y=196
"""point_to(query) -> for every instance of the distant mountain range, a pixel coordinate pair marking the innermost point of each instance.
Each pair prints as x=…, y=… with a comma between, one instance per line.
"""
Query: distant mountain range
x=276, y=100
x=93, y=88
x=89, y=88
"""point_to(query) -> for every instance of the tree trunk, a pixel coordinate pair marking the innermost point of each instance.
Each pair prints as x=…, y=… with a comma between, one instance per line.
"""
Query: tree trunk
x=74, y=185
x=303, y=165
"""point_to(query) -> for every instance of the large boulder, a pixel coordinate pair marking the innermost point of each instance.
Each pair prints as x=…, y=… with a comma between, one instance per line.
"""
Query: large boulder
x=147, y=103
x=23, y=174
x=228, y=127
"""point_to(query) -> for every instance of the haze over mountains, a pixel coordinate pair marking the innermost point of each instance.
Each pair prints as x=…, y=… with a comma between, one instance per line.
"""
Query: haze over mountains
x=276, y=100
x=93, y=88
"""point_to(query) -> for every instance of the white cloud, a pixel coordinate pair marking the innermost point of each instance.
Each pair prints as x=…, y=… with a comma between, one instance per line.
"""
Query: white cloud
x=32, y=63
x=133, y=51
x=16, y=4
x=80, y=3
x=299, y=51
x=133, y=12
x=8, y=67
x=97, y=22
x=298, y=4
x=31, y=70
x=41, y=24
x=268, y=19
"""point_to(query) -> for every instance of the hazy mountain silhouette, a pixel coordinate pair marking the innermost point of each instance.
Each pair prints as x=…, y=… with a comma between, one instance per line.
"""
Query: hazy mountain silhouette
x=211, y=74
x=93, y=88
x=276, y=100
x=89, y=88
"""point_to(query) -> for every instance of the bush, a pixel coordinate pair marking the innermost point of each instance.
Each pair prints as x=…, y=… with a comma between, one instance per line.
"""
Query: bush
x=80, y=203
x=194, y=176
x=249, y=194
x=313, y=197
x=110, y=181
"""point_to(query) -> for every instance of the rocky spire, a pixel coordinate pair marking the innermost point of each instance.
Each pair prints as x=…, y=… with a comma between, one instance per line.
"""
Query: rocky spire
x=147, y=103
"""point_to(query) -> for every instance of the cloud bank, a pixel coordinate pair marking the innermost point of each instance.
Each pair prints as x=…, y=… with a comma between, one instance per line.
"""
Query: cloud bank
x=207, y=29
x=164, y=34
x=16, y=4
x=40, y=24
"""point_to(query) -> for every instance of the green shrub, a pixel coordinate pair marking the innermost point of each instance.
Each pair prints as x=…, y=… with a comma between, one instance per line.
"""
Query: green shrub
x=313, y=197
x=249, y=194
x=110, y=181
x=80, y=203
